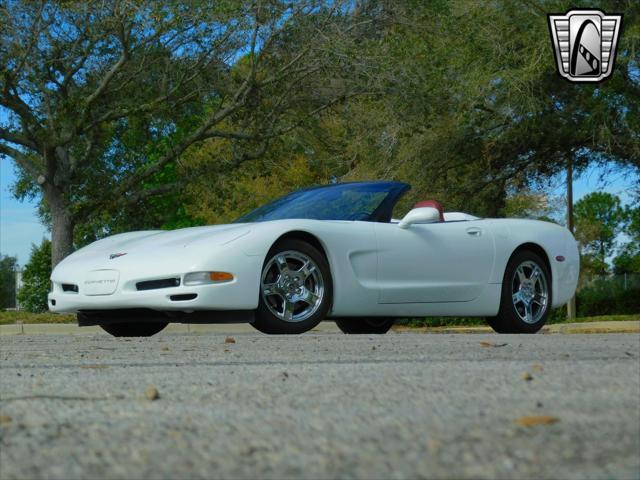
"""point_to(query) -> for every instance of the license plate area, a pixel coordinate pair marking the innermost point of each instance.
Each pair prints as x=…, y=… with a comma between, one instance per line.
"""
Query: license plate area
x=101, y=282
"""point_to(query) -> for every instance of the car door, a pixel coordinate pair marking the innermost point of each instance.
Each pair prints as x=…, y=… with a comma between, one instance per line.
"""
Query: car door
x=436, y=262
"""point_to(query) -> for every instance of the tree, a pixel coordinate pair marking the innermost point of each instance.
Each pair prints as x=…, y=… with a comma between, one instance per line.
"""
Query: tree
x=104, y=97
x=8, y=266
x=600, y=217
x=526, y=203
x=35, y=277
x=472, y=112
x=628, y=261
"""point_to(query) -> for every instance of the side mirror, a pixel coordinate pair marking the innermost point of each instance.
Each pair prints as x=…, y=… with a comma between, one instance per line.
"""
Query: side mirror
x=420, y=215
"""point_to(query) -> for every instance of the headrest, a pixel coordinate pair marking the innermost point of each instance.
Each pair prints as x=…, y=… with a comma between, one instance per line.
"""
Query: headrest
x=432, y=204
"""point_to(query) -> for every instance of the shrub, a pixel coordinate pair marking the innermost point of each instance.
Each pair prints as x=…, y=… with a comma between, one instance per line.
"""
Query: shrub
x=8, y=267
x=608, y=296
x=33, y=294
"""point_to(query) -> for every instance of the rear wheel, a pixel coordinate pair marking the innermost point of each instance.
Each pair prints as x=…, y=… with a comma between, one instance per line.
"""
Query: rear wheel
x=141, y=329
x=295, y=289
x=526, y=295
x=371, y=325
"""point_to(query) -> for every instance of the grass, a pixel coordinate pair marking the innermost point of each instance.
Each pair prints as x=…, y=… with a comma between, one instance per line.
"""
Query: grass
x=10, y=317
x=600, y=318
x=478, y=321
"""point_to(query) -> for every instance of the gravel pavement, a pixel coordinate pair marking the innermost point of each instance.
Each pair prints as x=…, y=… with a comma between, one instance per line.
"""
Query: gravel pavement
x=320, y=405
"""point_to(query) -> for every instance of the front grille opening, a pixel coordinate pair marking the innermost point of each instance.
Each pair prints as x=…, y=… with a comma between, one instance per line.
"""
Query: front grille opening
x=182, y=297
x=69, y=287
x=155, y=284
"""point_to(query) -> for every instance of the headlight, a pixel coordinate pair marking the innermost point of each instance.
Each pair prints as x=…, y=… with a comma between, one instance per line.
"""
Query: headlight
x=205, y=278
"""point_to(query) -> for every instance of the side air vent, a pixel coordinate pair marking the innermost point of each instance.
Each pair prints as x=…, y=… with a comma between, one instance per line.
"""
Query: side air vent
x=155, y=284
x=183, y=297
x=69, y=287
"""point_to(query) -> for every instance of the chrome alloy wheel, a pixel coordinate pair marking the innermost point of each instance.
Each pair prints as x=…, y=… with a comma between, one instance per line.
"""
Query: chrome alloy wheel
x=292, y=286
x=530, y=293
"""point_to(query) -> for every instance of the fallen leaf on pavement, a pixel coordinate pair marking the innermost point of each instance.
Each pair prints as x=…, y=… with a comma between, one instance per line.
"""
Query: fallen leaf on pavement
x=229, y=340
x=491, y=344
x=433, y=445
x=151, y=393
x=537, y=420
x=537, y=367
x=527, y=376
x=165, y=349
x=5, y=419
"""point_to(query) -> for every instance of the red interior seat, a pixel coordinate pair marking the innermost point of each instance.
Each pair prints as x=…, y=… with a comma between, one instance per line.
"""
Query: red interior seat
x=432, y=204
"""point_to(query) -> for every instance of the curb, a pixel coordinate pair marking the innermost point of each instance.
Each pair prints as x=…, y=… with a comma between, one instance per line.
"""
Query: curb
x=73, y=329
x=622, y=326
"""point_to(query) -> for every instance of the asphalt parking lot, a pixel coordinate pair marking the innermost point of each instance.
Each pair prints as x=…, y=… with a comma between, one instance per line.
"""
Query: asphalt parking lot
x=323, y=405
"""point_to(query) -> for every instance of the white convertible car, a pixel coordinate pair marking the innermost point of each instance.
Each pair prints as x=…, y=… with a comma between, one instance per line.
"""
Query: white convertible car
x=330, y=252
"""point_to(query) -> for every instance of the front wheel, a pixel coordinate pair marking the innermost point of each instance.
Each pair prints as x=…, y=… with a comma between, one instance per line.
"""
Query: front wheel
x=140, y=329
x=295, y=289
x=526, y=295
x=365, y=325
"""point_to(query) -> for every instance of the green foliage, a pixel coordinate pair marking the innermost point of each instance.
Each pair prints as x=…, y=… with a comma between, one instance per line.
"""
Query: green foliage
x=528, y=203
x=219, y=196
x=431, y=322
x=608, y=296
x=627, y=262
x=8, y=267
x=36, y=277
x=599, y=218
x=633, y=229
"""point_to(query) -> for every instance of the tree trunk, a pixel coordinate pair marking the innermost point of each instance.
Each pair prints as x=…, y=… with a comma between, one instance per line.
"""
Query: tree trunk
x=62, y=224
x=61, y=235
x=571, y=306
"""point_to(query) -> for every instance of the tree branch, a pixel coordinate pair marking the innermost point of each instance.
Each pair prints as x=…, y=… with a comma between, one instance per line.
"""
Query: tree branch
x=21, y=159
x=124, y=56
x=17, y=138
x=150, y=192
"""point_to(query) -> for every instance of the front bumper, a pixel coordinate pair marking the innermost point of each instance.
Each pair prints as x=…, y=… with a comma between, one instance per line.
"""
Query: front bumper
x=224, y=296
x=126, y=276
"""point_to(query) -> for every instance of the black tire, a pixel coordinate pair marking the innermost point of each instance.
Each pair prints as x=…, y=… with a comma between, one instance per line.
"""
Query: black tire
x=376, y=326
x=268, y=322
x=509, y=318
x=139, y=329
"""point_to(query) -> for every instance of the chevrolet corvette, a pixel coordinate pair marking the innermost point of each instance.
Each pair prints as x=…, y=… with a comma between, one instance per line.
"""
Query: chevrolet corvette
x=332, y=252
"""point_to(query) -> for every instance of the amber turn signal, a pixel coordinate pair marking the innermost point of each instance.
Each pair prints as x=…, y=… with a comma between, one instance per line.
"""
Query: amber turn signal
x=206, y=278
x=221, y=276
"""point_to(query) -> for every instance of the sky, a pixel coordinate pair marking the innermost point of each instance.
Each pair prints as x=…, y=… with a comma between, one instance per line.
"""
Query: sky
x=20, y=226
x=19, y=223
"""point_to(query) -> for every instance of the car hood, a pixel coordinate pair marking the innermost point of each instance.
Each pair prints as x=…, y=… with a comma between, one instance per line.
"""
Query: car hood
x=153, y=242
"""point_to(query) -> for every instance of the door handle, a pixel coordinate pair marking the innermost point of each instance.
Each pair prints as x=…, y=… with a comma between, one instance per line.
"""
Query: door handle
x=474, y=231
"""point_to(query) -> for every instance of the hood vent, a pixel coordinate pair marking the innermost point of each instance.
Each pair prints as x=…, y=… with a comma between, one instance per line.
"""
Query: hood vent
x=156, y=284
x=69, y=287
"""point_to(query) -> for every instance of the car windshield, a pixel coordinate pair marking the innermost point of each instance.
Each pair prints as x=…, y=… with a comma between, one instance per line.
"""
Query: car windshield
x=366, y=201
